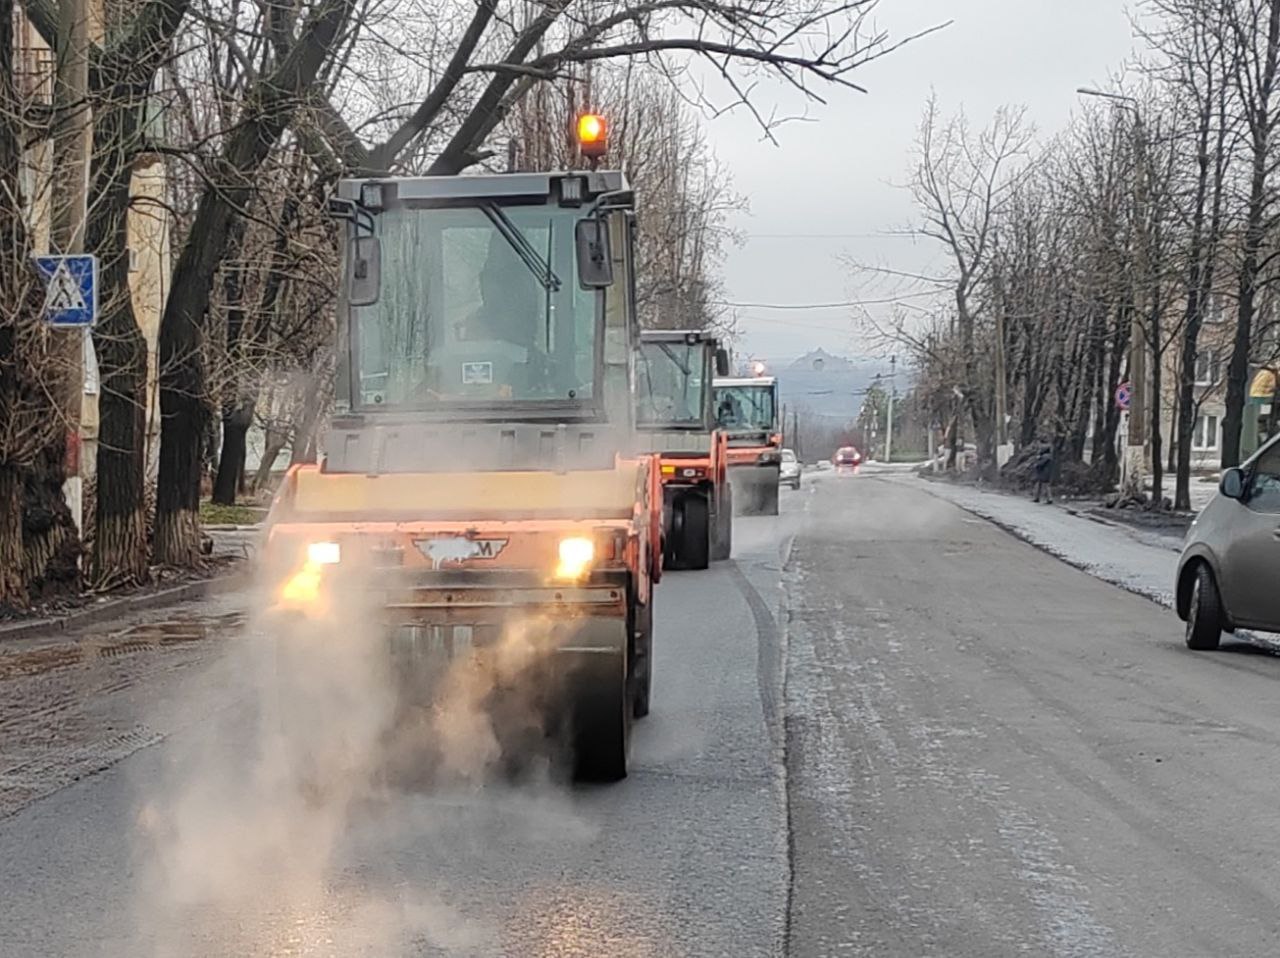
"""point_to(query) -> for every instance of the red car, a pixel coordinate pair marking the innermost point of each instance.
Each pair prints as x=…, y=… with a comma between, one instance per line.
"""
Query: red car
x=847, y=460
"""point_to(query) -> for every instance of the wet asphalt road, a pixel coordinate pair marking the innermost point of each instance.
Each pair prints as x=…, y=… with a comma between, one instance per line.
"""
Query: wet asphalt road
x=184, y=848
x=986, y=753
x=991, y=753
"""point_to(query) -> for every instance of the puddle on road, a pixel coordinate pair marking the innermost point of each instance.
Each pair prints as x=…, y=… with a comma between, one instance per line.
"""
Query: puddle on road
x=147, y=637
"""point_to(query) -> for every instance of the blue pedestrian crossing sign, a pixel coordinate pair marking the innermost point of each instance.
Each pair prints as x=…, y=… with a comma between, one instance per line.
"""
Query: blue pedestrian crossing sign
x=71, y=289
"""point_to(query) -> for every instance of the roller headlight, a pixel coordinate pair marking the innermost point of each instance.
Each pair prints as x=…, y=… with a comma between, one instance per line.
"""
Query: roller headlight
x=576, y=556
x=324, y=553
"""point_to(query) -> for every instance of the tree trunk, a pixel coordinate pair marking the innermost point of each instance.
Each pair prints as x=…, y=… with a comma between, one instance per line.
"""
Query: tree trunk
x=1108, y=468
x=1203, y=256
x=268, y=110
x=1201, y=278
x=235, y=431
x=1238, y=369
x=1273, y=419
x=50, y=540
x=13, y=586
x=1157, y=438
x=274, y=445
x=304, y=435
x=120, y=540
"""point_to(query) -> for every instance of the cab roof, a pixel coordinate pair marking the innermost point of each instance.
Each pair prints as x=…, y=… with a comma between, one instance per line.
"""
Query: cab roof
x=745, y=381
x=690, y=336
x=480, y=186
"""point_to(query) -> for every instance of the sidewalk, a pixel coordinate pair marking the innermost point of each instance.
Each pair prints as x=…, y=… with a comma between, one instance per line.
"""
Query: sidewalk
x=1140, y=560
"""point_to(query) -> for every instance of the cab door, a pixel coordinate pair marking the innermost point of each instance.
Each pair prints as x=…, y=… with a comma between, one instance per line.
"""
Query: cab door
x=1251, y=562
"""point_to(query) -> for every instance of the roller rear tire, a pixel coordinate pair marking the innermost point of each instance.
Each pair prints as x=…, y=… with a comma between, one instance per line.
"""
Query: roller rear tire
x=691, y=532
x=642, y=677
x=724, y=523
x=769, y=500
x=602, y=713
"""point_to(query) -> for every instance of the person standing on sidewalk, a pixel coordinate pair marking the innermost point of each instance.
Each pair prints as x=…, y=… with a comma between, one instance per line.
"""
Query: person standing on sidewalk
x=1044, y=473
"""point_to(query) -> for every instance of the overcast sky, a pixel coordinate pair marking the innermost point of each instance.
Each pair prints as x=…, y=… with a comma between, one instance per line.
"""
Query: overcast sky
x=843, y=173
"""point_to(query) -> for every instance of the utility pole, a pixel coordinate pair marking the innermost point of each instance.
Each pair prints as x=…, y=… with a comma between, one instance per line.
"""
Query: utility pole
x=893, y=394
x=1002, y=379
x=73, y=143
x=1134, y=462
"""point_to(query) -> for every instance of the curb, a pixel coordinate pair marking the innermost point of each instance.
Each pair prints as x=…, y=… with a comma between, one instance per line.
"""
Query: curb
x=114, y=607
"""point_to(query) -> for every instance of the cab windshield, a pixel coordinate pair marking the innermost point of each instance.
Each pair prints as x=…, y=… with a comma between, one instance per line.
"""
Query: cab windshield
x=670, y=384
x=477, y=305
x=742, y=408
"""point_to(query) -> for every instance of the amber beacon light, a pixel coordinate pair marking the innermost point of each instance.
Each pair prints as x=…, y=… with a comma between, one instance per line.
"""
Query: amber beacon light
x=593, y=135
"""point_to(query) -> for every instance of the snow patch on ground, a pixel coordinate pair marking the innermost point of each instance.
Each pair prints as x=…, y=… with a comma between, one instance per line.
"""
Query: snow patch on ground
x=1139, y=560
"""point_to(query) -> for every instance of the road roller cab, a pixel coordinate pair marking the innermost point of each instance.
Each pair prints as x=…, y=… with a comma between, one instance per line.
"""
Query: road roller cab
x=747, y=412
x=480, y=474
x=676, y=417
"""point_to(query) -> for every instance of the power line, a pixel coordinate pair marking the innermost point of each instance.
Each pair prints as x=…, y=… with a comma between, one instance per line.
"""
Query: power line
x=841, y=305
x=830, y=235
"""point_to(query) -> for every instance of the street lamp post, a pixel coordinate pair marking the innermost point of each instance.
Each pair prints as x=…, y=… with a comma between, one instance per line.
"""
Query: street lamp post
x=1135, y=455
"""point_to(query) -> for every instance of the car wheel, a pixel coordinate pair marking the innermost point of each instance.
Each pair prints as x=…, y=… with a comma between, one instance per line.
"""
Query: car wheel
x=1204, y=613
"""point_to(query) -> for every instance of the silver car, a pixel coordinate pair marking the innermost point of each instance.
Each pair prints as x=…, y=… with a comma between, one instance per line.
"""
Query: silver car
x=789, y=475
x=1229, y=573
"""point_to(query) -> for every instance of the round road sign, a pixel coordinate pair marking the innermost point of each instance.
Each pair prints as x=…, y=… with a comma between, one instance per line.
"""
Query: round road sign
x=1124, y=394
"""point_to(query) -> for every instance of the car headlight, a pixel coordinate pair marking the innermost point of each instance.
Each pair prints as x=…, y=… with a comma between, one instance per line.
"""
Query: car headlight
x=576, y=556
x=324, y=553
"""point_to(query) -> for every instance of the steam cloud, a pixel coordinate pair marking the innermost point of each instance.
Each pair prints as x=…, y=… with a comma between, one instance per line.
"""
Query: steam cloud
x=246, y=847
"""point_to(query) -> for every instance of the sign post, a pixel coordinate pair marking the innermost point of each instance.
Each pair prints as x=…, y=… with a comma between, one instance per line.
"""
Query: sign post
x=71, y=303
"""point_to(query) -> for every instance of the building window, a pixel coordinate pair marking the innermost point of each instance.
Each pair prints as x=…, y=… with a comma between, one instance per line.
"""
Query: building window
x=1215, y=311
x=133, y=259
x=1208, y=368
x=1205, y=438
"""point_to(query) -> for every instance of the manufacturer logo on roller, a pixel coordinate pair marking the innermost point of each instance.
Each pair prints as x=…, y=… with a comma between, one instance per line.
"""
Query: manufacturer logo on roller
x=458, y=549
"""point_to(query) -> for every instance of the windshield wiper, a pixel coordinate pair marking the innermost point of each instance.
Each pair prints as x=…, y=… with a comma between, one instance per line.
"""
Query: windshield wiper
x=684, y=368
x=539, y=267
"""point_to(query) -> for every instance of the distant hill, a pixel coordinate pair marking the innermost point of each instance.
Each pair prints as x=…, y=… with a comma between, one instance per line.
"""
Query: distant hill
x=829, y=387
x=819, y=360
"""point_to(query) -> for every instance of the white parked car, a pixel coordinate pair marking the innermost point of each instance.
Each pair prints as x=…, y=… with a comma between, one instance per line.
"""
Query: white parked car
x=791, y=469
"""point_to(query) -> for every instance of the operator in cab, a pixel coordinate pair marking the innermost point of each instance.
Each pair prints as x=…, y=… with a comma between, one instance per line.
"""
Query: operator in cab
x=493, y=351
x=508, y=304
x=730, y=411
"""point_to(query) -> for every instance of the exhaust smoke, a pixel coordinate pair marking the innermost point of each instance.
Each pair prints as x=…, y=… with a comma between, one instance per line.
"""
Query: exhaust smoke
x=255, y=841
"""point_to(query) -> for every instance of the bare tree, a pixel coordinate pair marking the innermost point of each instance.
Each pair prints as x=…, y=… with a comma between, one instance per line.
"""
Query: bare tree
x=495, y=62
x=1197, y=55
x=1255, y=29
x=962, y=184
x=32, y=376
